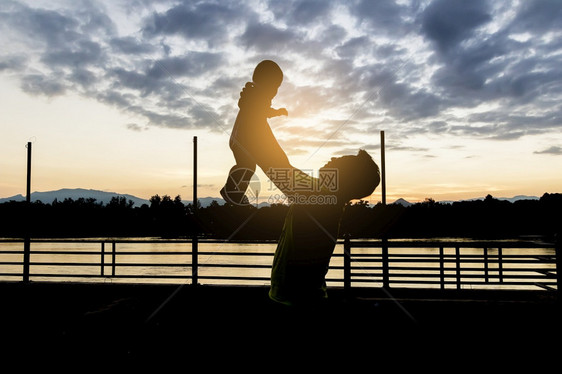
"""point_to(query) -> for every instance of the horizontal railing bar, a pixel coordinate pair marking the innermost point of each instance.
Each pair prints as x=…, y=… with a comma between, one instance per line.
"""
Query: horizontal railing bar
x=54, y=275
x=107, y=252
x=450, y=270
x=151, y=253
x=453, y=279
x=106, y=264
x=141, y=241
x=495, y=283
x=248, y=266
x=454, y=260
x=452, y=244
x=225, y=277
x=454, y=256
x=450, y=282
x=354, y=244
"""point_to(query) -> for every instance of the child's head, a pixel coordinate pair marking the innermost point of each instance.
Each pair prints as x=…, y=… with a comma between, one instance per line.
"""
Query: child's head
x=357, y=176
x=268, y=75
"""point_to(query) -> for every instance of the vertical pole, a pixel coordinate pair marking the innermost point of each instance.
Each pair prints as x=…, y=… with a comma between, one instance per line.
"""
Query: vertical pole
x=500, y=265
x=27, y=241
x=102, y=258
x=194, y=242
x=385, y=281
x=113, y=255
x=486, y=265
x=383, y=170
x=558, y=254
x=458, y=260
x=442, y=268
x=346, y=263
x=385, y=265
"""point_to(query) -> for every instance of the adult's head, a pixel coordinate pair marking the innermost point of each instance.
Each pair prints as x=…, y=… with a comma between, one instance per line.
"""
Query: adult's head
x=357, y=175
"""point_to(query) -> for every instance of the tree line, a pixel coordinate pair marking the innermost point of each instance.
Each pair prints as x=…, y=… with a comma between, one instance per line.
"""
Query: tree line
x=170, y=218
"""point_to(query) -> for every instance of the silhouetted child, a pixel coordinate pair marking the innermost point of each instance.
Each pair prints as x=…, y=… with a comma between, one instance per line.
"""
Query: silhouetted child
x=252, y=142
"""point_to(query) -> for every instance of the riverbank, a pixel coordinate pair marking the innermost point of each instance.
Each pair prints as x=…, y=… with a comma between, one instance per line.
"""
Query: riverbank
x=136, y=321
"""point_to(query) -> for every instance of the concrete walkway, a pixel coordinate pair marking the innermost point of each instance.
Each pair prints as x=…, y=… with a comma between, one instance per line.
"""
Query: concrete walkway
x=135, y=322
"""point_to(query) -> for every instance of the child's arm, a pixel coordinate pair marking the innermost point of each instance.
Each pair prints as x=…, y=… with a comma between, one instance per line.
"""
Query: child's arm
x=277, y=112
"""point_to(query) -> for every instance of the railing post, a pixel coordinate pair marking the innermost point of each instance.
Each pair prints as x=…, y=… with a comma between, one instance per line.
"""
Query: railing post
x=442, y=267
x=347, y=263
x=113, y=255
x=500, y=265
x=458, y=261
x=385, y=275
x=102, y=258
x=195, y=260
x=486, y=280
x=558, y=254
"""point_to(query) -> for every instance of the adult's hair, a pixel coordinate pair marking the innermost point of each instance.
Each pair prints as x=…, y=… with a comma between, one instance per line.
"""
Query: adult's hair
x=357, y=176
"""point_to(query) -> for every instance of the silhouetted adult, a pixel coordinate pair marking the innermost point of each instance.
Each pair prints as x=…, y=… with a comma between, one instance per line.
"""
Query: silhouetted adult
x=311, y=226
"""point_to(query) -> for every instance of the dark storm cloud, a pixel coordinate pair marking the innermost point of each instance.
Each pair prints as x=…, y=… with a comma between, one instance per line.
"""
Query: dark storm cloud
x=204, y=21
x=85, y=52
x=267, y=38
x=448, y=22
x=191, y=64
x=301, y=12
x=131, y=45
x=538, y=16
x=383, y=16
x=378, y=63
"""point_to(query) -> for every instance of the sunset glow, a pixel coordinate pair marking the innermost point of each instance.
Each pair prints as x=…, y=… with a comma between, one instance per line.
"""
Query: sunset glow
x=112, y=93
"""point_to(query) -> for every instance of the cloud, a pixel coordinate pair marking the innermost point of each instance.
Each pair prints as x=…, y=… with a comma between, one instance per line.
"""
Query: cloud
x=449, y=22
x=383, y=16
x=191, y=64
x=35, y=84
x=554, y=150
x=136, y=127
x=350, y=66
x=205, y=21
x=266, y=38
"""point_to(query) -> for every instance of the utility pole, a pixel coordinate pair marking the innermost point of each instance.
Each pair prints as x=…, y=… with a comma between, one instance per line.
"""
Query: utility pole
x=194, y=241
x=383, y=171
x=27, y=240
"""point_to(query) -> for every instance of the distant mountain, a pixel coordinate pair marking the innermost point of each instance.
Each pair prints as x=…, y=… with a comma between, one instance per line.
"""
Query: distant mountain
x=105, y=197
x=519, y=197
x=402, y=202
x=510, y=199
x=100, y=196
x=205, y=201
x=74, y=194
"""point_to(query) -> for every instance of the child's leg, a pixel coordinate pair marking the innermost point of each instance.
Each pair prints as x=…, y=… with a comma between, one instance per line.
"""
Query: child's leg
x=239, y=177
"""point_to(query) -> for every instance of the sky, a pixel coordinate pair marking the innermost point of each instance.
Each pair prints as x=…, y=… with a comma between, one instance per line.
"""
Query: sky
x=112, y=93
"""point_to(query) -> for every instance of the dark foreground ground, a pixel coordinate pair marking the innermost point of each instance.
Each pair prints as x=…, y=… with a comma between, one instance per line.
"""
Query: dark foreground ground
x=228, y=325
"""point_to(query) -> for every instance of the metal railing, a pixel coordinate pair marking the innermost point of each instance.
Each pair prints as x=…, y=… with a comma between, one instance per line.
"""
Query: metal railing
x=364, y=263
